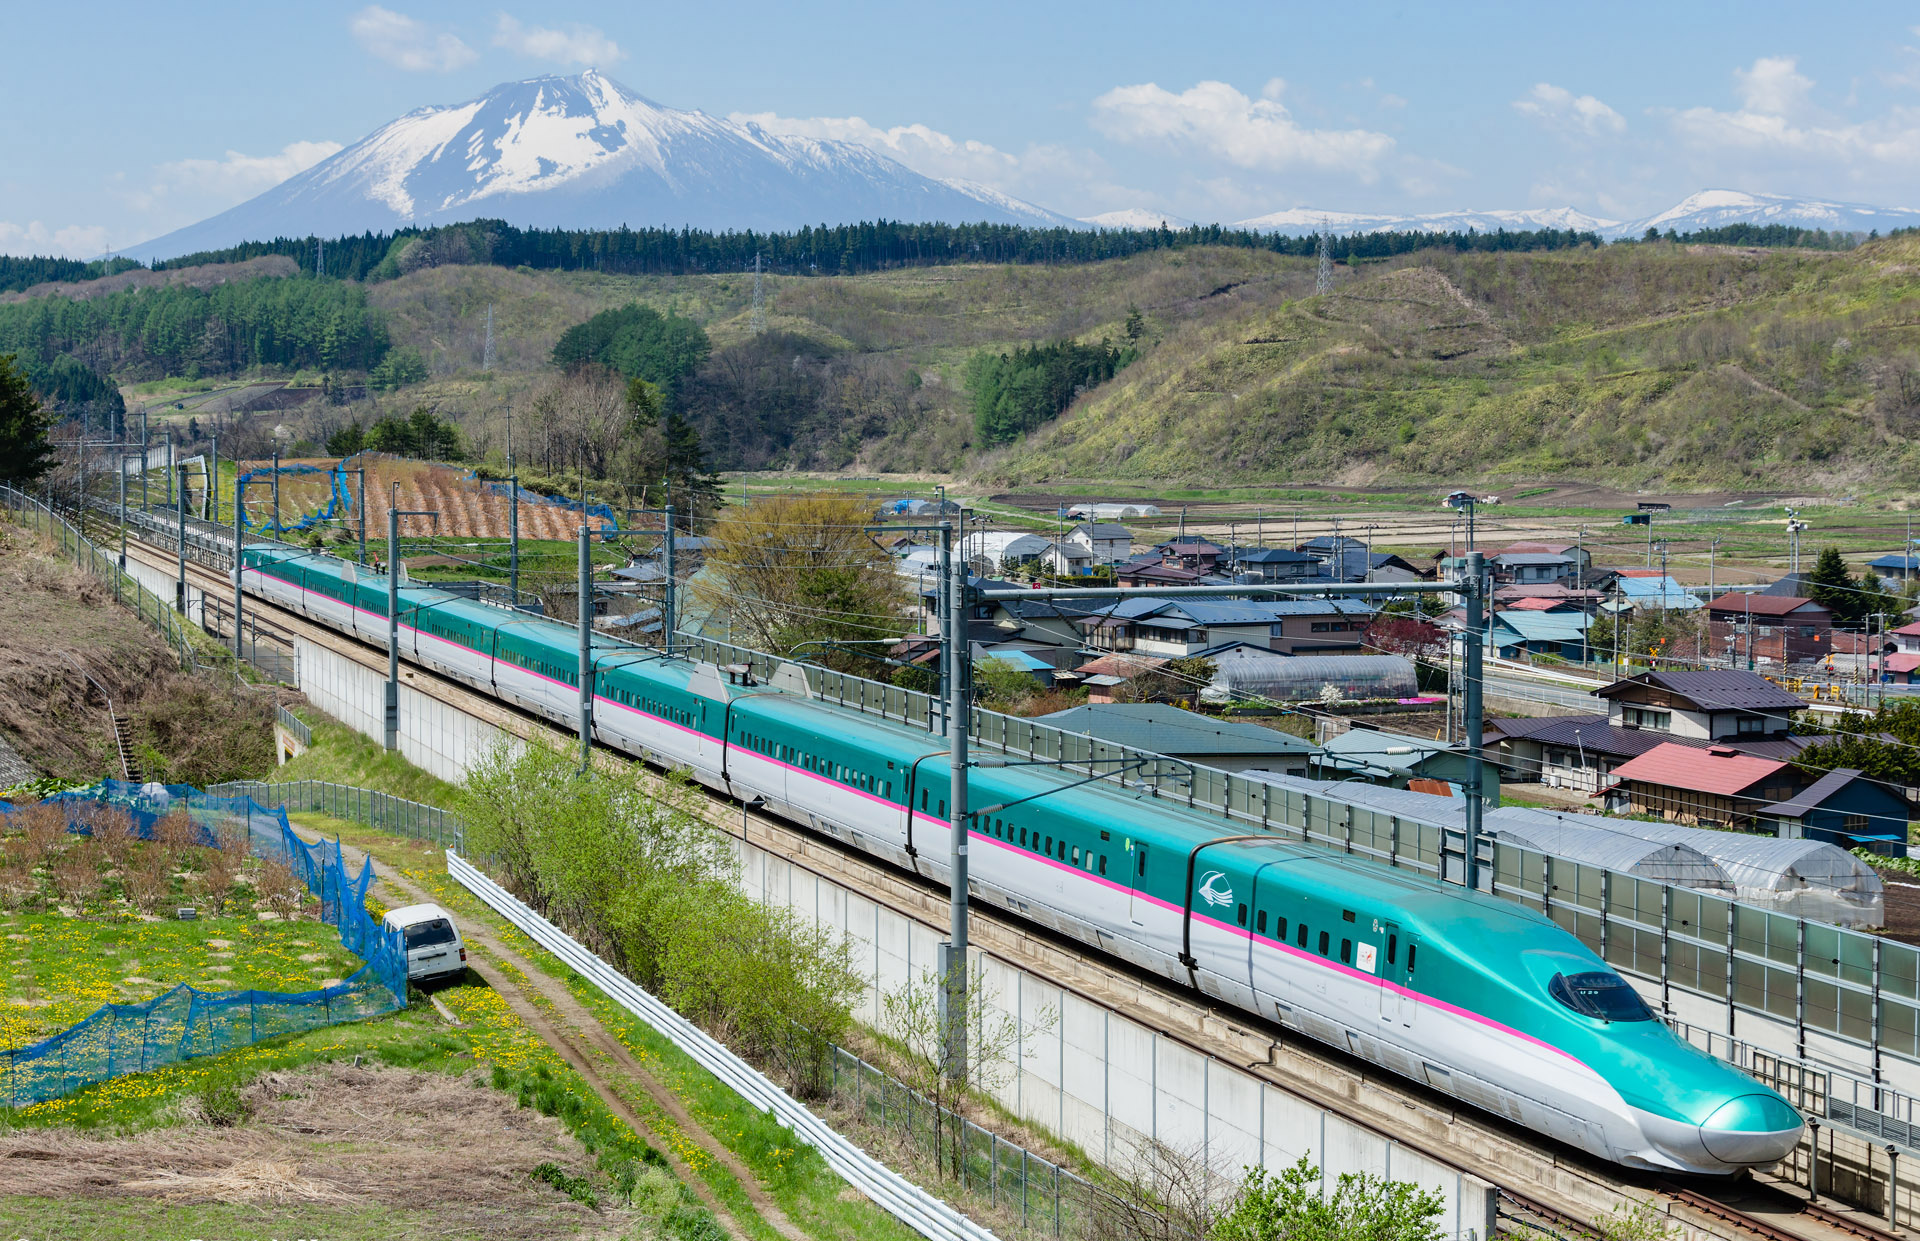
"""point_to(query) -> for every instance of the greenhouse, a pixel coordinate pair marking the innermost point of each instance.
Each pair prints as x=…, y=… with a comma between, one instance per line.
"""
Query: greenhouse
x=1248, y=672
x=1653, y=860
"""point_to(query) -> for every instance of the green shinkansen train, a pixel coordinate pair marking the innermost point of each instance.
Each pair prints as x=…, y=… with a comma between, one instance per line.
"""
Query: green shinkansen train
x=1476, y=997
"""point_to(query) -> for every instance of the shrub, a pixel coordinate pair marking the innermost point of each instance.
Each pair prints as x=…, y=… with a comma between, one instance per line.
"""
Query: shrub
x=76, y=874
x=221, y=1104
x=147, y=878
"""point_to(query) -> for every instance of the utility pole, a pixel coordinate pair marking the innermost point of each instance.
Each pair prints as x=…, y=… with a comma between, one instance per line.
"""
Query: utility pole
x=213, y=480
x=1475, y=721
x=276, y=493
x=941, y=590
x=123, y=510
x=145, y=459
x=180, y=589
x=669, y=609
x=954, y=962
x=394, y=514
x=169, y=467
x=585, y=584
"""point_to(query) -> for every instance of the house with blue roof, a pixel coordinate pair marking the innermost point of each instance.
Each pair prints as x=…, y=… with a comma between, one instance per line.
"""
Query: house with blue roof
x=1897, y=567
x=1641, y=590
x=1519, y=632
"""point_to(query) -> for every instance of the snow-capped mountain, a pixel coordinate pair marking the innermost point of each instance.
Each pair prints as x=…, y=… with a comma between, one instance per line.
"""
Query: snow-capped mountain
x=1301, y=220
x=1136, y=217
x=1717, y=208
x=585, y=152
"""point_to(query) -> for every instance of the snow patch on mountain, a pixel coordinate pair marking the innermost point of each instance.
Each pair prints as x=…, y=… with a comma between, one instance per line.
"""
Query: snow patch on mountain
x=1301, y=220
x=1136, y=217
x=1719, y=208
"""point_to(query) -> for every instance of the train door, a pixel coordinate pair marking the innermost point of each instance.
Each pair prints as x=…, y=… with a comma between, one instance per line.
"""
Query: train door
x=1394, y=952
x=1137, y=904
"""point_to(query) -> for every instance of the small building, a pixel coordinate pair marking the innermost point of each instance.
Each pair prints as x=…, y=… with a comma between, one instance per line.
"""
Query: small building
x=1783, y=628
x=1201, y=555
x=1396, y=759
x=1896, y=568
x=1907, y=637
x=1794, y=585
x=1644, y=590
x=1156, y=573
x=1520, y=632
x=1104, y=542
x=1577, y=553
x=1274, y=564
x=1715, y=787
x=1532, y=568
x=1844, y=808
x=991, y=551
x=1715, y=705
x=1204, y=740
x=1181, y=627
x=1113, y=678
x=1245, y=673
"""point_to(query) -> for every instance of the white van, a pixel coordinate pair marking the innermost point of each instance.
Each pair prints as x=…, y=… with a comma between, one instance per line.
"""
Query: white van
x=434, y=947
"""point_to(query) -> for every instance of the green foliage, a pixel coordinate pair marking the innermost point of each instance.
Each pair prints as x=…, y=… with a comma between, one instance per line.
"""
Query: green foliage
x=1638, y=1221
x=399, y=368
x=221, y=1105
x=636, y=342
x=1855, y=741
x=998, y=684
x=1293, y=1206
x=73, y=389
x=18, y=274
x=421, y=434
x=1833, y=588
x=1013, y=394
x=642, y=879
x=25, y=454
x=179, y=330
x=202, y=730
x=578, y=1188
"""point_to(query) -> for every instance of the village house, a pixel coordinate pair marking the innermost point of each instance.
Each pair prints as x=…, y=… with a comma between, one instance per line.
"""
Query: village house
x=1182, y=627
x=1781, y=629
x=1274, y=564
x=1532, y=568
x=1715, y=787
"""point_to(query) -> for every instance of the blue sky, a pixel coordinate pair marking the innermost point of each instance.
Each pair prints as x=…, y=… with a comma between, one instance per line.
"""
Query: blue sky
x=128, y=120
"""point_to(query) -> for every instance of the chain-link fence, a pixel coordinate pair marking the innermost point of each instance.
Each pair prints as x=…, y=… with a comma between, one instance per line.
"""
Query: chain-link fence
x=356, y=805
x=184, y=1023
x=24, y=510
x=1044, y=1198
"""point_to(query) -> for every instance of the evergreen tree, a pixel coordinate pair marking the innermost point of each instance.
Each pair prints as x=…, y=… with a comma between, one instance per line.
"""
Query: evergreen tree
x=348, y=440
x=25, y=454
x=1833, y=588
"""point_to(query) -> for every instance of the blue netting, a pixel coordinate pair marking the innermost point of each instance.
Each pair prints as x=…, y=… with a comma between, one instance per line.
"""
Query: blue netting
x=134, y=1038
x=339, y=499
x=602, y=511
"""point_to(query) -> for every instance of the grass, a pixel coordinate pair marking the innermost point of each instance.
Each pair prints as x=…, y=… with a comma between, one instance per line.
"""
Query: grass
x=55, y=970
x=138, y=1219
x=344, y=756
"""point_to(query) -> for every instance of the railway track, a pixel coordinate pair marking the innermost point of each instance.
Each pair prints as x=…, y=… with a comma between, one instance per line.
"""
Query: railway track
x=1556, y=1183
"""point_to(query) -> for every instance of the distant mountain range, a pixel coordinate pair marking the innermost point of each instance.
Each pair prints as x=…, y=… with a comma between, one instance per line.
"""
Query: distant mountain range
x=585, y=152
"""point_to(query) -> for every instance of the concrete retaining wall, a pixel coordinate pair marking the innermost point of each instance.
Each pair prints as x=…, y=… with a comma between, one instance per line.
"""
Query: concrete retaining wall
x=435, y=737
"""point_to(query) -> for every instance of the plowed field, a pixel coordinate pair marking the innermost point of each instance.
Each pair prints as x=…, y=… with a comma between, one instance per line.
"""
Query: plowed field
x=467, y=508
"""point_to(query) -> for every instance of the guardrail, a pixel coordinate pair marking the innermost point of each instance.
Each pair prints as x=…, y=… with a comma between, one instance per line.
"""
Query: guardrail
x=127, y=591
x=356, y=805
x=899, y=1197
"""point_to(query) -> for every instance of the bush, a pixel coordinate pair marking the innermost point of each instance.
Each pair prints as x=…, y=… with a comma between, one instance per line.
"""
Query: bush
x=221, y=1104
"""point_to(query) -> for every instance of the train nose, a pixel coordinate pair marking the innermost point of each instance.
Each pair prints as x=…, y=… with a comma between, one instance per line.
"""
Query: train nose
x=1752, y=1130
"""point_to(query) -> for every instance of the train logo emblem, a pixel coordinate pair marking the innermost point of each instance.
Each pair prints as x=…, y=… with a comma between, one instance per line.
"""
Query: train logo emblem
x=1215, y=890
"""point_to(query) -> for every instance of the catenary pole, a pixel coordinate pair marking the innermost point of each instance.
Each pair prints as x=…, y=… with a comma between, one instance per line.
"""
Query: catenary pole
x=669, y=610
x=941, y=618
x=958, y=711
x=123, y=509
x=393, y=619
x=585, y=623
x=239, y=483
x=1475, y=720
x=180, y=587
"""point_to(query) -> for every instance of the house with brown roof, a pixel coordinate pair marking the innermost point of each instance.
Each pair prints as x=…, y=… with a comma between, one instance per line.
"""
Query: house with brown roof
x=1782, y=629
x=1715, y=787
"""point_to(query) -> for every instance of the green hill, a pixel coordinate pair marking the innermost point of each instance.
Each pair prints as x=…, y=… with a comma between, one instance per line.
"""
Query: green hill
x=1634, y=365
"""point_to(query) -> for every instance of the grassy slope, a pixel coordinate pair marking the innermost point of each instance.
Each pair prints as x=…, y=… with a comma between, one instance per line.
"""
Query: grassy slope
x=1633, y=365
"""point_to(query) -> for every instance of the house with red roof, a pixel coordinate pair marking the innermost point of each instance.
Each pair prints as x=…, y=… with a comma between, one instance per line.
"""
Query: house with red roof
x=1714, y=787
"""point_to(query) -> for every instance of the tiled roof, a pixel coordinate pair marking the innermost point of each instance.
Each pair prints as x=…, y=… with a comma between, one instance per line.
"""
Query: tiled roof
x=1720, y=689
x=1762, y=605
x=1701, y=771
x=1536, y=604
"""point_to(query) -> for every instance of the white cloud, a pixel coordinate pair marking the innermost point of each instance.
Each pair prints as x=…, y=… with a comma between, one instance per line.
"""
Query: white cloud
x=1393, y=101
x=239, y=176
x=76, y=241
x=1256, y=134
x=919, y=147
x=408, y=43
x=1559, y=108
x=1774, y=85
x=576, y=45
x=1775, y=118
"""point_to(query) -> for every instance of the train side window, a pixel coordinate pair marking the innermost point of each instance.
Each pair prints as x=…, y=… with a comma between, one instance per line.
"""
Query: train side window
x=943, y=807
x=1280, y=929
x=1324, y=941
x=1346, y=952
x=923, y=799
x=1410, y=951
x=1260, y=922
x=1243, y=915
x=1103, y=863
x=1143, y=861
x=1076, y=855
x=1303, y=935
x=1049, y=849
x=1393, y=946
x=1023, y=838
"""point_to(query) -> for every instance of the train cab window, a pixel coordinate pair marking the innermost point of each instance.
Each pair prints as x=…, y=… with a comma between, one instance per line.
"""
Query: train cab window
x=1346, y=952
x=1260, y=922
x=1346, y=915
x=1393, y=946
x=1243, y=915
x=1324, y=940
x=1303, y=935
x=1604, y=995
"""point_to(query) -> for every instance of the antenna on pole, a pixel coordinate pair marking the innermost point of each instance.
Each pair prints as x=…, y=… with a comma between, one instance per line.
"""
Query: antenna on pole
x=486, y=353
x=1323, y=278
x=759, y=299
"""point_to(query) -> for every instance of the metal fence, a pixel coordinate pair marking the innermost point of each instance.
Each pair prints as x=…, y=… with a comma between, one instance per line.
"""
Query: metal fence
x=127, y=592
x=356, y=805
x=1856, y=989
x=1046, y=1198
x=296, y=727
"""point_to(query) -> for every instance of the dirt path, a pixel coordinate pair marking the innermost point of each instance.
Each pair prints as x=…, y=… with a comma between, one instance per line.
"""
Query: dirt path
x=598, y=1056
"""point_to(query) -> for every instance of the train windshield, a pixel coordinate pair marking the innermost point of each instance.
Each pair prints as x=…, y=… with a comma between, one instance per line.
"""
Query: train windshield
x=1606, y=996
